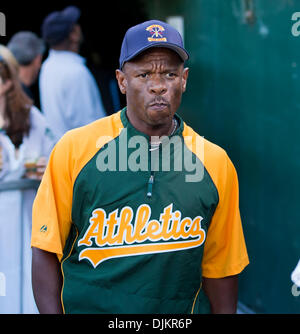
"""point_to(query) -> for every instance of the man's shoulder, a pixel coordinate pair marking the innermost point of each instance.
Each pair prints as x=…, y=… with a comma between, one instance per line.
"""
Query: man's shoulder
x=78, y=146
x=63, y=67
x=209, y=149
x=109, y=127
x=214, y=158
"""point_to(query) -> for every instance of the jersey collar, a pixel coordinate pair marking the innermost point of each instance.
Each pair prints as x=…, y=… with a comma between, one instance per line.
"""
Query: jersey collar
x=126, y=123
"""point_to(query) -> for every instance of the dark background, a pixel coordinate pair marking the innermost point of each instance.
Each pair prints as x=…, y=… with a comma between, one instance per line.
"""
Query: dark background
x=103, y=23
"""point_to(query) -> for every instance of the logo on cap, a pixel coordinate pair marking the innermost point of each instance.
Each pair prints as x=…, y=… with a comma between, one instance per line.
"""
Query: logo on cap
x=156, y=32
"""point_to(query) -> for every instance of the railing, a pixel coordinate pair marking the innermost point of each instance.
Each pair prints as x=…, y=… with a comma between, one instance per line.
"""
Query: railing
x=22, y=184
x=18, y=298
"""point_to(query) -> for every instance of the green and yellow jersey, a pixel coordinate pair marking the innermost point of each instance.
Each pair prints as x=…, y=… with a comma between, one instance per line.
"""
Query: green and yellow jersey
x=132, y=239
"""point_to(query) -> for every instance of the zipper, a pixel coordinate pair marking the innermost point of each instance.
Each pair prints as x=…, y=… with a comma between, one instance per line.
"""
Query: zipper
x=150, y=184
x=151, y=178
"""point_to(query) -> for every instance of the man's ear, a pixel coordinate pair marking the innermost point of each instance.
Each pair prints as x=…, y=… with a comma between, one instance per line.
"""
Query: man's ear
x=122, y=82
x=185, y=75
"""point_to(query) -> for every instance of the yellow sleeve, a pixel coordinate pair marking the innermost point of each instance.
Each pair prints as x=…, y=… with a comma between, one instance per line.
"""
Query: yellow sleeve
x=225, y=252
x=52, y=208
x=51, y=216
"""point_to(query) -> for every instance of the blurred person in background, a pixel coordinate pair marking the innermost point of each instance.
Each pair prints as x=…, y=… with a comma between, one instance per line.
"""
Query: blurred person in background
x=28, y=50
x=9, y=56
x=25, y=139
x=69, y=94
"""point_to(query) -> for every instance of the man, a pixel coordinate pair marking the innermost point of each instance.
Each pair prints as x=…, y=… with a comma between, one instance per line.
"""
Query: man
x=28, y=50
x=119, y=229
x=69, y=94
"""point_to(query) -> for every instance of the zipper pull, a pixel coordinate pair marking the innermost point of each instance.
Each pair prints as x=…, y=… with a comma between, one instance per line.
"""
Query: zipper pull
x=150, y=184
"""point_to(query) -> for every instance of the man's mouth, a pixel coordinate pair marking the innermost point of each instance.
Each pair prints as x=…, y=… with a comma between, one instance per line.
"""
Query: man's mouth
x=158, y=105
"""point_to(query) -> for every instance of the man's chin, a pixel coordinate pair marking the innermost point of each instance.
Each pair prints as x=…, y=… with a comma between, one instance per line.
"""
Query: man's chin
x=157, y=118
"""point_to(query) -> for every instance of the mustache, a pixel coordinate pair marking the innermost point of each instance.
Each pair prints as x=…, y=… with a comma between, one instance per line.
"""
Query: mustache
x=158, y=100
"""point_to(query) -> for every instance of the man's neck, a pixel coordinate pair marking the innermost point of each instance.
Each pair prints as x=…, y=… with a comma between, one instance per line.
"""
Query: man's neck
x=165, y=129
x=67, y=47
x=25, y=75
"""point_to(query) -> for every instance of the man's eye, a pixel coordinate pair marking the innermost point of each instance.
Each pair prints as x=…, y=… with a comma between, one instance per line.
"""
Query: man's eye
x=144, y=75
x=171, y=75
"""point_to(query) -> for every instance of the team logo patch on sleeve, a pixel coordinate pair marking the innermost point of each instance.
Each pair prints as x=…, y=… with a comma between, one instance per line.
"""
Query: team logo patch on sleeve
x=119, y=235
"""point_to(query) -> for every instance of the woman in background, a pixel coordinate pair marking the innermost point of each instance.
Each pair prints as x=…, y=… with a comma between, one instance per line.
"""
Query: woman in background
x=25, y=140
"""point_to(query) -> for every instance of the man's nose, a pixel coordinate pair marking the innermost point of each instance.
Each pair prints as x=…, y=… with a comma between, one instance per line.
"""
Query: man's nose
x=157, y=86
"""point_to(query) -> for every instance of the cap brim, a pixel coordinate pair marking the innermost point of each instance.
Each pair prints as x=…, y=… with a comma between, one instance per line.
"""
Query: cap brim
x=182, y=53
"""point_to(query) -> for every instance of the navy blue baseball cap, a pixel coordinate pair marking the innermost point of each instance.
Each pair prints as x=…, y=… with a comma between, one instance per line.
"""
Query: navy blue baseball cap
x=57, y=25
x=151, y=34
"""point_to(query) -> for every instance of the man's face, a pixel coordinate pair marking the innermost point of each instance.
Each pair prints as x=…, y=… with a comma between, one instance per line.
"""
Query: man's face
x=76, y=35
x=153, y=83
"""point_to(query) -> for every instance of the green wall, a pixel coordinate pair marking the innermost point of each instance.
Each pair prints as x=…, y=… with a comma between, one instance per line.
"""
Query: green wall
x=244, y=95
